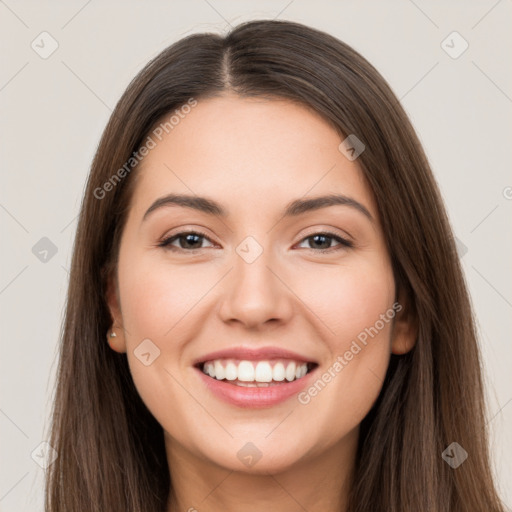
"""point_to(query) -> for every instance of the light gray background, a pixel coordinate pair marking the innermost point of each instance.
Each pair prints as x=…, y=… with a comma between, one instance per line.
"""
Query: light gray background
x=54, y=110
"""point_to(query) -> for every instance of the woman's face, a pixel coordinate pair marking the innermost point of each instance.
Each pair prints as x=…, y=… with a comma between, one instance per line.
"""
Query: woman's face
x=257, y=281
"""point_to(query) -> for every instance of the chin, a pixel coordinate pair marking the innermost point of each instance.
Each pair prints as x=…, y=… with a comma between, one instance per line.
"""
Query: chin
x=256, y=458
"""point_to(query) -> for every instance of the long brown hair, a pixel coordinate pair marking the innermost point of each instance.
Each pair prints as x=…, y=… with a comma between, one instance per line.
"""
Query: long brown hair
x=111, y=453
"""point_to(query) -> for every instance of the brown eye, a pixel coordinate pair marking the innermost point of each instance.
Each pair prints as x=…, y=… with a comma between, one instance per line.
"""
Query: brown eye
x=321, y=240
x=189, y=241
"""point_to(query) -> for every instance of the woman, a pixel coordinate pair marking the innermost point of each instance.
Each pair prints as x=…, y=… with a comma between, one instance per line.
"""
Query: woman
x=309, y=356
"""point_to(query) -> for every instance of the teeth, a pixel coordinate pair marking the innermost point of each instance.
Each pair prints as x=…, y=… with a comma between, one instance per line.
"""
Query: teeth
x=299, y=372
x=263, y=372
x=245, y=371
x=278, y=372
x=219, y=371
x=290, y=372
x=231, y=371
x=254, y=384
x=252, y=373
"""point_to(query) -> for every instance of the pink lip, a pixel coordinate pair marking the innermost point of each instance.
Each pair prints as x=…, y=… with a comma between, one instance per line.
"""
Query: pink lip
x=254, y=397
x=252, y=354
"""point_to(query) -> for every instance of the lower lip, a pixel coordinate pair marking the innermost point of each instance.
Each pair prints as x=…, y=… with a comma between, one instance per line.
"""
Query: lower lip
x=254, y=397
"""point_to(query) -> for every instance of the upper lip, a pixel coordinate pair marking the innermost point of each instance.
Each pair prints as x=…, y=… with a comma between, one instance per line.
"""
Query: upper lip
x=253, y=354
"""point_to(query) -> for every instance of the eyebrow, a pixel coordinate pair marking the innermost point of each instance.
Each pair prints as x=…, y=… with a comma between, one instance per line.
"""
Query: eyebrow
x=292, y=209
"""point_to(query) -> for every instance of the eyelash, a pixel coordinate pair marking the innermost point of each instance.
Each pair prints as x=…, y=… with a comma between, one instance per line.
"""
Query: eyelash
x=343, y=242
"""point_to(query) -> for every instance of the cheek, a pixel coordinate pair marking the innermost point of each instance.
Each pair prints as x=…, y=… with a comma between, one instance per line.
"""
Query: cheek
x=156, y=299
x=157, y=296
x=356, y=305
x=347, y=299
x=347, y=388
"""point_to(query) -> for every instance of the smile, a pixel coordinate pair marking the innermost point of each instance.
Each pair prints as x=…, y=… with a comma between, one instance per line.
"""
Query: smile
x=264, y=373
x=255, y=384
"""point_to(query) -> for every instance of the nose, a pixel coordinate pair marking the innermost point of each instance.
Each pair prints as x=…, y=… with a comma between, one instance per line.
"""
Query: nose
x=256, y=294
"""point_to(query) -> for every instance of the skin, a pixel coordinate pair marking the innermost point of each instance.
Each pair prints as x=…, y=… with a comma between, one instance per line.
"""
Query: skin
x=254, y=156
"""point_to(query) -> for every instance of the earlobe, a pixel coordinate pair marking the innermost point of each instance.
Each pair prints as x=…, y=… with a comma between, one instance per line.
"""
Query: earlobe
x=405, y=329
x=403, y=337
x=115, y=335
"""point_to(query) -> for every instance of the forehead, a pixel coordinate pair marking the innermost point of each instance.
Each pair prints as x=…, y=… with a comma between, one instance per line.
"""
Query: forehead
x=251, y=152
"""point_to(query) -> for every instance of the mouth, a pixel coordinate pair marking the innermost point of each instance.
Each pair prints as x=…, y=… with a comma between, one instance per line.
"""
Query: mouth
x=255, y=384
x=247, y=377
x=256, y=374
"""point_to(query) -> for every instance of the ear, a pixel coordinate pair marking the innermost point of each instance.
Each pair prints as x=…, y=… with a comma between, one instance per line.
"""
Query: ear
x=117, y=343
x=405, y=327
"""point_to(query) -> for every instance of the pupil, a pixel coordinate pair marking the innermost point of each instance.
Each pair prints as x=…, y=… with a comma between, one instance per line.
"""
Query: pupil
x=316, y=237
x=189, y=236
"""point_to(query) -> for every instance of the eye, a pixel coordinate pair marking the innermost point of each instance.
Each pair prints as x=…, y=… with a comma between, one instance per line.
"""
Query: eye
x=189, y=238
x=191, y=241
x=325, y=238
